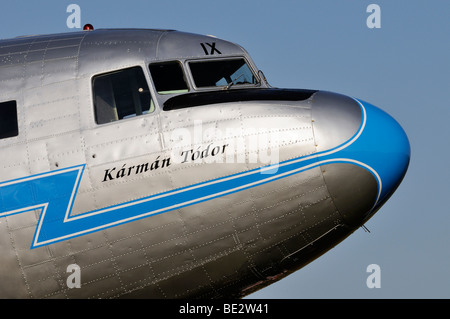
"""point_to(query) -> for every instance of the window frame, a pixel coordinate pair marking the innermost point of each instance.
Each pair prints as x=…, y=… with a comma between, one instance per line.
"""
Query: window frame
x=153, y=104
x=183, y=72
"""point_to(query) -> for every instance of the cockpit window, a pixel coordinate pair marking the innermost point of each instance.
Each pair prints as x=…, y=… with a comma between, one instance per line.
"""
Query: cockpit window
x=8, y=119
x=121, y=94
x=221, y=73
x=168, y=77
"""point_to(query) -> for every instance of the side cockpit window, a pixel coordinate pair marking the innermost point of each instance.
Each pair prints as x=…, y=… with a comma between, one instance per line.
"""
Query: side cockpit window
x=168, y=77
x=121, y=94
x=8, y=119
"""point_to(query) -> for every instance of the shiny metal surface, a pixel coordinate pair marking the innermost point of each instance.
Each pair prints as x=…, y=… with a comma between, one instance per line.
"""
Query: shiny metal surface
x=336, y=119
x=355, y=198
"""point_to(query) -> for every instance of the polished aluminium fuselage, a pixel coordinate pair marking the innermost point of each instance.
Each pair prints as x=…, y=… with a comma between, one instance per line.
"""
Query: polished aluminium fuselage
x=230, y=190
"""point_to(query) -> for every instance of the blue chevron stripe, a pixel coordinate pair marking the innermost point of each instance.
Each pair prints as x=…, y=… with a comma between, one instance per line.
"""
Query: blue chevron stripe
x=55, y=192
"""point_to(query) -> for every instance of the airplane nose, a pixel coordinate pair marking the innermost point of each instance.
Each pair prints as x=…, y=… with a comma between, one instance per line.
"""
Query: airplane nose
x=363, y=152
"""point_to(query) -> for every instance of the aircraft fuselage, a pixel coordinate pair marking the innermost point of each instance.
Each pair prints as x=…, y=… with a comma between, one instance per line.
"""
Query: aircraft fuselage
x=163, y=165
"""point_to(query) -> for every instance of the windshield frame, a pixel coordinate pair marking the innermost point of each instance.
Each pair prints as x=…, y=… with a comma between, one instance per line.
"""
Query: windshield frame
x=229, y=85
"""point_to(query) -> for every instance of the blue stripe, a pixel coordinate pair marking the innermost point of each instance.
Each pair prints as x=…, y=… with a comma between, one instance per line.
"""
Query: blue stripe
x=54, y=192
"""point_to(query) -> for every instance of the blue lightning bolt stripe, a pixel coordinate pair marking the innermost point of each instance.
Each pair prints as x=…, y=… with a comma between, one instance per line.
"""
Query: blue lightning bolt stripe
x=54, y=192
x=55, y=226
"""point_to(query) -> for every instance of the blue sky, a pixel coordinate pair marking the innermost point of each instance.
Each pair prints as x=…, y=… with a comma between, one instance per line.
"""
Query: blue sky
x=402, y=67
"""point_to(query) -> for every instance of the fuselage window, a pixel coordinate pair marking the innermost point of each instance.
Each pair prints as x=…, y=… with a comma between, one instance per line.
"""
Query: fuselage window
x=222, y=73
x=120, y=95
x=168, y=77
x=8, y=119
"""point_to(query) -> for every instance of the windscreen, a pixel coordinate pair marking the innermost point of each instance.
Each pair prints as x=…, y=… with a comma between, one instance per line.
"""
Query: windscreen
x=222, y=73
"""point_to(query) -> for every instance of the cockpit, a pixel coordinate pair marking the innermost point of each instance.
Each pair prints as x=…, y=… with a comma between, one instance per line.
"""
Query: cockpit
x=125, y=93
x=170, y=78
